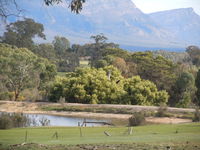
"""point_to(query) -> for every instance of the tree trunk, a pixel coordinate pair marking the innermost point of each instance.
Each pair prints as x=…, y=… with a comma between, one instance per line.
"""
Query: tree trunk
x=16, y=95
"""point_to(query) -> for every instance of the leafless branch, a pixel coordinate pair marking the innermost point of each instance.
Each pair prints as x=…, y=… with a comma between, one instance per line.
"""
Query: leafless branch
x=9, y=8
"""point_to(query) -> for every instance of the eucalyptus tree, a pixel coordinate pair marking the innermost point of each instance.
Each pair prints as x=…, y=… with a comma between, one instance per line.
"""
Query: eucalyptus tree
x=21, y=69
x=22, y=32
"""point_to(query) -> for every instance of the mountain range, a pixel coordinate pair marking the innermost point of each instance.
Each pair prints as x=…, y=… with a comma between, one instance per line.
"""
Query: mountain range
x=121, y=21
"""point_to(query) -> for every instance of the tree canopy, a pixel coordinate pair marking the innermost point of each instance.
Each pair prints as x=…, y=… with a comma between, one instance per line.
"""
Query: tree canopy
x=22, y=32
x=12, y=8
x=21, y=69
x=106, y=86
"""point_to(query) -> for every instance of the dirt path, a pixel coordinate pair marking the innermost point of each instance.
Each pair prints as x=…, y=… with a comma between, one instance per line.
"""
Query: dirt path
x=30, y=107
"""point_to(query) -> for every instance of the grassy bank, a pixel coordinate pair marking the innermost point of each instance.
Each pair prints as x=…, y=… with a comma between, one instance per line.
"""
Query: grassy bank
x=93, y=109
x=152, y=135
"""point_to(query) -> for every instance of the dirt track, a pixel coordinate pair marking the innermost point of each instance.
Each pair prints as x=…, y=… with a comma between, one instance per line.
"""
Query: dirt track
x=31, y=107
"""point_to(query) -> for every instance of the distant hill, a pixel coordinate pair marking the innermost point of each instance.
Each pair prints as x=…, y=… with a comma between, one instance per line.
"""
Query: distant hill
x=184, y=23
x=121, y=21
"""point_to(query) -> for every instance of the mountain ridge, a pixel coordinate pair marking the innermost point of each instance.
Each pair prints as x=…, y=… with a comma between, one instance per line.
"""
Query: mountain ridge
x=121, y=21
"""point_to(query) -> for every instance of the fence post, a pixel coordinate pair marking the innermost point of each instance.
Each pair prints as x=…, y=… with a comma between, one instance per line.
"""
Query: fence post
x=81, y=132
x=26, y=136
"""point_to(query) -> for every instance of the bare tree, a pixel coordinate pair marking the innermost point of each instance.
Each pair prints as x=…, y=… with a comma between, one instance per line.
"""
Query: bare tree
x=12, y=8
x=9, y=8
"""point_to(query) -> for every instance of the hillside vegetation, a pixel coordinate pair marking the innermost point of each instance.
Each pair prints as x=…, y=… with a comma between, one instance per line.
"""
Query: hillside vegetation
x=93, y=73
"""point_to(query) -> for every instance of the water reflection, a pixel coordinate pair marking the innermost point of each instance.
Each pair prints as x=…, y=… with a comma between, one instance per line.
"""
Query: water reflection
x=61, y=121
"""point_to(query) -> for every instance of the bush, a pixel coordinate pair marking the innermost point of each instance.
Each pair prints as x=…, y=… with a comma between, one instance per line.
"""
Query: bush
x=162, y=111
x=6, y=95
x=5, y=121
x=137, y=119
x=196, y=117
x=31, y=94
x=8, y=120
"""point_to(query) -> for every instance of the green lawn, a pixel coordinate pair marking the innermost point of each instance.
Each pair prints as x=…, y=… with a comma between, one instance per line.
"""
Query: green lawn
x=84, y=63
x=151, y=134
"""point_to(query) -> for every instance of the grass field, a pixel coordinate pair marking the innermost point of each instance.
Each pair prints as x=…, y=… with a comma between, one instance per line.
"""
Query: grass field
x=84, y=63
x=179, y=136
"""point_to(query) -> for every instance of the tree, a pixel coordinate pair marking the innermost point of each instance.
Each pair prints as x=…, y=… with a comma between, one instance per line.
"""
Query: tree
x=21, y=69
x=68, y=62
x=21, y=33
x=98, y=47
x=194, y=53
x=75, y=5
x=61, y=45
x=120, y=63
x=100, y=38
x=143, y=92
x=197, y=83
x=67, y=59
x=11, y=8
x=183, y=91
x=89, y=85
x=46, y=51
x=105, y=86
x=156, y=69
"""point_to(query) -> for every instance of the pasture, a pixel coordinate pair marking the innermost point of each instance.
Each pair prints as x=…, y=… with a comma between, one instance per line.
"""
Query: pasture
x=149, y=136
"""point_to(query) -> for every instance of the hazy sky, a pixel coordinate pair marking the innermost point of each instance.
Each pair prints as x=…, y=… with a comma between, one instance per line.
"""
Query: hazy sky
x=148, y=6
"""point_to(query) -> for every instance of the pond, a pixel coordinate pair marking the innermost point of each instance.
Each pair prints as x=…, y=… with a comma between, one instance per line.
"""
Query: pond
x=51, y=120
x=65, y=121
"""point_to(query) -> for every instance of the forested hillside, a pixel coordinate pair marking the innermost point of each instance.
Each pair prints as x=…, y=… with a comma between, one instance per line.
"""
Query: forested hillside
x=96, y=73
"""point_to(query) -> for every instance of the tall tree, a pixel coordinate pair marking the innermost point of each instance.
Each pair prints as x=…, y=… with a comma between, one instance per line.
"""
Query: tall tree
x=197, y=83
x=21, y=69
x=97, y=47
x=61, y=45
x=194, y=53
x=157, y=69
x=100, y=38
x=46, y=50
x=21, y=33
x=183, y=91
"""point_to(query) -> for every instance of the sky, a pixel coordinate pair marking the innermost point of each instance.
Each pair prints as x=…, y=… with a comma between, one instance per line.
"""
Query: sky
x=149, y=6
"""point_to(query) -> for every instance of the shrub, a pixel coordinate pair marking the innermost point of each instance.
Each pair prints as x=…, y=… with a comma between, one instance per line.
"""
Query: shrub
x=5, y=121
x=196, y=117
x=12, y=120
x=31, y=94
x=137, y=119
x=162, y=111
x=6, y=95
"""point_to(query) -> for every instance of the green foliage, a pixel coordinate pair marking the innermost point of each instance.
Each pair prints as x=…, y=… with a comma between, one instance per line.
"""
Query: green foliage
x=196, y=117
x=46, y=51
x=21, y=69
x=116, y=52
x=197, y=83
x=61, y=45
x=162, y=111
x=137, y=119
x=101, y=63
x=6, y=95
x=194, y=53
x=100, y=38
x=89, y=85
x=8, y=121
x=143, y=92
x=22, y=32
x=156, y=69
x=105, y=85
x=184, y=90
